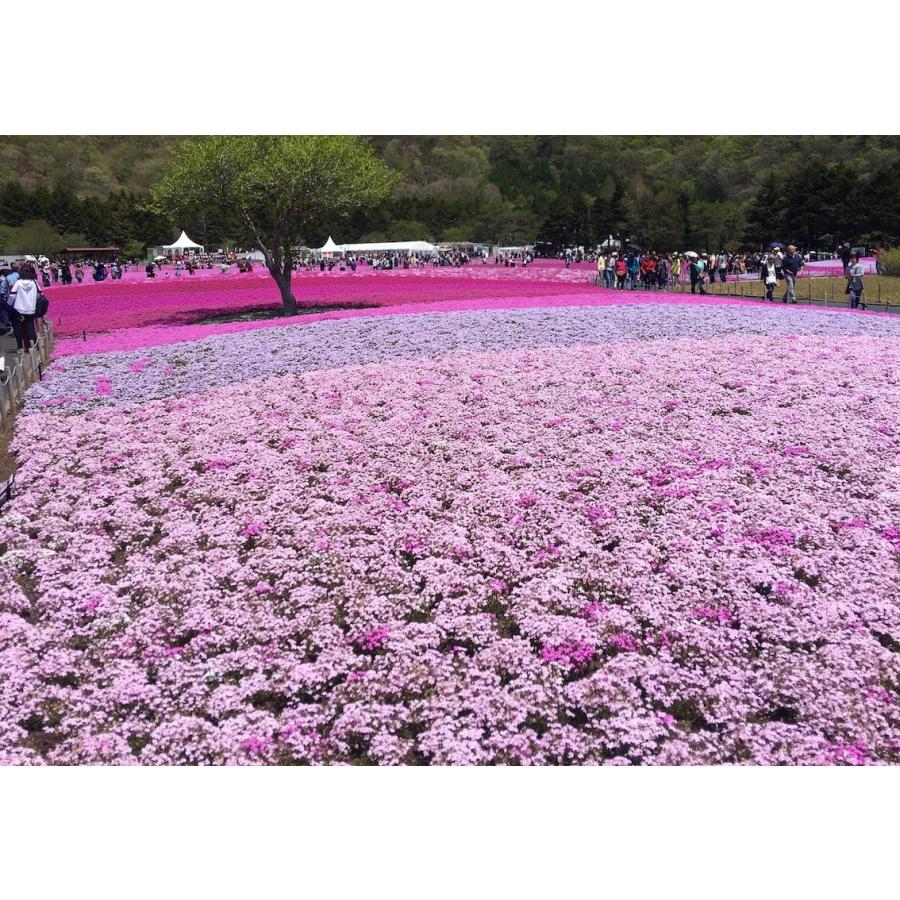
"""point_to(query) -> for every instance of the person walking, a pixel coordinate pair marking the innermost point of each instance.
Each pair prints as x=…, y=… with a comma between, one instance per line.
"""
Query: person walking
x=790, y=268
x=768, y=273
x=723, y=266
x=676, y=270
x=854, y=281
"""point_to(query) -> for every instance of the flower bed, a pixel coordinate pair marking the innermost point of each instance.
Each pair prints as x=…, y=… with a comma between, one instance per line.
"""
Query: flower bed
x=254, y=350
x=114, y=306
x=627, y=535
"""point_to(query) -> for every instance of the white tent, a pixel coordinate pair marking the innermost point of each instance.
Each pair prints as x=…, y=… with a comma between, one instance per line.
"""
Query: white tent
x=383, y=247
x=182, y=244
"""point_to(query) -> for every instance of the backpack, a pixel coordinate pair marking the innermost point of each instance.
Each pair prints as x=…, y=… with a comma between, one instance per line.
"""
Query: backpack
x=41, y=304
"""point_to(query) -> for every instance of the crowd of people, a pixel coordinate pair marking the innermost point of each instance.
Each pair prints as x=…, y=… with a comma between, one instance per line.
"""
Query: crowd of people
x=386, y=260
x=631, y=269
x=21, y=302
x=634, y=269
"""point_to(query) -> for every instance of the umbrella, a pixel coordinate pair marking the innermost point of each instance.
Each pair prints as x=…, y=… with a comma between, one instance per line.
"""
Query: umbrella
x=777, y=245
x=691, y=254
x=159, y=258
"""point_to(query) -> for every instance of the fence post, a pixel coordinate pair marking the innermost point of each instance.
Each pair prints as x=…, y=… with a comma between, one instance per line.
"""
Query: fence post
x=14, y=387
x=3, y=404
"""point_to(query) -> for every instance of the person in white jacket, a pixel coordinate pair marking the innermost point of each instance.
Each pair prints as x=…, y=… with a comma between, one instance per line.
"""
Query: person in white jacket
x=22, y=305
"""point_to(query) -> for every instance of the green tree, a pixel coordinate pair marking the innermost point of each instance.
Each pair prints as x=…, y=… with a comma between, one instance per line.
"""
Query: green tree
x=278, y=188
x=765, y=215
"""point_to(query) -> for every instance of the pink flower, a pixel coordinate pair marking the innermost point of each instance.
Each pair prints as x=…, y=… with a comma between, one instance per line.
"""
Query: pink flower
x=571, y=654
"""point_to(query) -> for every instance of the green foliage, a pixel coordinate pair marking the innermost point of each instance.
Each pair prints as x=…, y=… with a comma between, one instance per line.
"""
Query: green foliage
x=455, y=233
x=666, y=192
x=891, y=261
x=276, y=188
x=36, y=236
x=274, y=191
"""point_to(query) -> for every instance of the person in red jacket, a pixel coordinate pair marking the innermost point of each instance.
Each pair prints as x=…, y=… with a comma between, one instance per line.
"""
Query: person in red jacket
x=621, y=273
x=648, y=271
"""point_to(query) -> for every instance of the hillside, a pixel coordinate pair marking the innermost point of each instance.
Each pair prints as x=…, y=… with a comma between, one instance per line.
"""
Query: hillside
x=663, y=190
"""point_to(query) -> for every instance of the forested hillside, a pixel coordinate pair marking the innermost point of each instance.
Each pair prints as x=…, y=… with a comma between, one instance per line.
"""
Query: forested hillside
x=665, y=192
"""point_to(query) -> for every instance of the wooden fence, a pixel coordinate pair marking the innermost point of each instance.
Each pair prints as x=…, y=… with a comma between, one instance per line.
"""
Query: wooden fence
x=27, y=368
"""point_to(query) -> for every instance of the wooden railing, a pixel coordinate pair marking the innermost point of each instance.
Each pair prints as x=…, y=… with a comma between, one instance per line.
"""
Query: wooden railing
x=26, y=370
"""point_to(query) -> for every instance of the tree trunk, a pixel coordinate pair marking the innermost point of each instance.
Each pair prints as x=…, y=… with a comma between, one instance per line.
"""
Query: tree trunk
x=284, y=285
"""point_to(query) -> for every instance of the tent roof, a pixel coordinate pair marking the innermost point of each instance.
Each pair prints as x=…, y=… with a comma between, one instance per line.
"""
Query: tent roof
x=413, y=246
x=182, y=243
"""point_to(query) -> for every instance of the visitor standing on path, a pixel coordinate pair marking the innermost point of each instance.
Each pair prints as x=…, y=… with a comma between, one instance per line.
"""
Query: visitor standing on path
x=22, y=307
x=611, y=271
x=662, y=272
x=769, y=275
x=7, y=280
x=846, y=256
x=621, y=273
x=601, y=270
x=854, y=281
x=633, y=265
x=696, y=271
x=791, y=266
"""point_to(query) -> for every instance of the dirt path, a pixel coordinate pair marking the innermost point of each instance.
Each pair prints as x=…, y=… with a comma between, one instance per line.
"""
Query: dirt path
x=9, y=462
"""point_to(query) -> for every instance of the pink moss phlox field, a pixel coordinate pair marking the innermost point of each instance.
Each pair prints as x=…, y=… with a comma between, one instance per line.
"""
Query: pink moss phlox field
x=113, y=306
x=195, y=366
x=627, y=540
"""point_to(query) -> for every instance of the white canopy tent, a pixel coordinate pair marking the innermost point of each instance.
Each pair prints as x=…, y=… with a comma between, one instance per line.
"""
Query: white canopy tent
x=182, y=245
x=379, y=247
